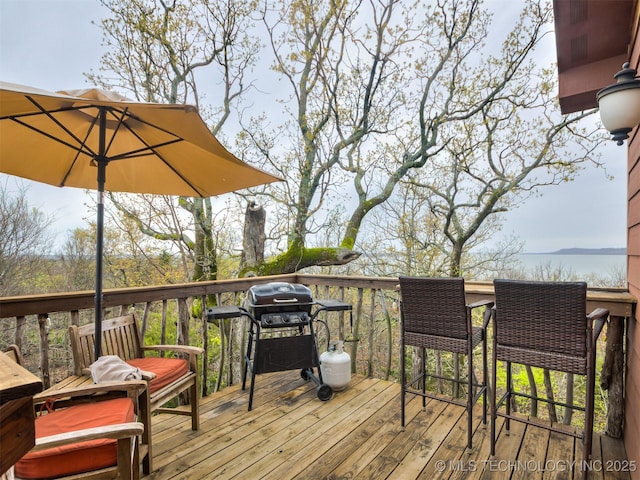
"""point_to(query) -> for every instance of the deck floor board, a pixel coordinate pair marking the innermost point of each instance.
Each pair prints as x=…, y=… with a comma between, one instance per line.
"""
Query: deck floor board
x=291, y=434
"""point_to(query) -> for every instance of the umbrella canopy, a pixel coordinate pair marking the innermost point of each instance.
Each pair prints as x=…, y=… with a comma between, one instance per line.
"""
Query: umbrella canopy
x=152, y=148
x=100, y=140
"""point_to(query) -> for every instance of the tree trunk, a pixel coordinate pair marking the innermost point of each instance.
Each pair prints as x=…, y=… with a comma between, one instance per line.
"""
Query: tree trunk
x=455, y=260
x=253, y=237
x=205, y=267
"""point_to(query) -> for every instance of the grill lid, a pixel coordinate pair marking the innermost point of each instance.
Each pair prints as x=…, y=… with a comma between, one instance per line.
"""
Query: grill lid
x=279, y=293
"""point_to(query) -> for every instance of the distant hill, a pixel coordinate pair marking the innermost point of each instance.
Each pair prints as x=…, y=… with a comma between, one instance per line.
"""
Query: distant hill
x=589, y=251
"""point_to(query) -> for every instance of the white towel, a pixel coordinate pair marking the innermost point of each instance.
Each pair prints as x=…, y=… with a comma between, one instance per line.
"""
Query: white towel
x=111, y=368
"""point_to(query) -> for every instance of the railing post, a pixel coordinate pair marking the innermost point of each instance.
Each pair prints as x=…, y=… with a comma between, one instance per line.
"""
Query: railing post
x=612, y=376
x=223, y=345
x=356, y=331
x=387, y=320
x=20, y=323
x=145, y=319
x=372, y=327
x=205, y=346
x=163, y=326
x=182, y=333
x=44, y=323
x=341, y=317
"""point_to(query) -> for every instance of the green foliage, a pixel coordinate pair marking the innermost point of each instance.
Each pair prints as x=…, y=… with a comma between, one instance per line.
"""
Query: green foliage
x=153, y=335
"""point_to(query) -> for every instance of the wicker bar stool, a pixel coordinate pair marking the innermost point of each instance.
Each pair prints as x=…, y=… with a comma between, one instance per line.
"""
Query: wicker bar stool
x=435, y=316
x=545, y=325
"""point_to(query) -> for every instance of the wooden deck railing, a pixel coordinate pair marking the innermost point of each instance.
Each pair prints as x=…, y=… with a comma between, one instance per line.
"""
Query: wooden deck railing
x=39, y=324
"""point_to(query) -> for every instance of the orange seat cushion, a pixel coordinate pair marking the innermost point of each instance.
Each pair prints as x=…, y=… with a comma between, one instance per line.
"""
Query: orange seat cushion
x=77, y=457
x=167, y=370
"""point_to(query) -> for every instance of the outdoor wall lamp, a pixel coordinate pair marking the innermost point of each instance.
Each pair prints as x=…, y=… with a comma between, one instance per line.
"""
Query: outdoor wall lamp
x=620, y=104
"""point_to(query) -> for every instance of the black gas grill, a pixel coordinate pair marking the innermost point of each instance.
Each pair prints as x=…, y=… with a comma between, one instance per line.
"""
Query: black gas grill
x=281, y=331
x=279, y=304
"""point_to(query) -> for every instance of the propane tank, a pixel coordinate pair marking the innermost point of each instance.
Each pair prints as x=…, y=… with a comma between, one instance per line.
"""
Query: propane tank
x=335, y=365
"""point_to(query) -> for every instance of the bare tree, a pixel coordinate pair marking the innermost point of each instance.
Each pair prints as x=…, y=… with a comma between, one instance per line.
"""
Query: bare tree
x=384, y=92
x=78, y=260
x=499, y=160
x=167, y=51
x=24, y=240
x=361, y=96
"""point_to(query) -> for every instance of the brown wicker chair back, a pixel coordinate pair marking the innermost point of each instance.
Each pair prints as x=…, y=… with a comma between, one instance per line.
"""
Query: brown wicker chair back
x=544, y=324
x=435, y=316
x=542, y=317
x=434, y=306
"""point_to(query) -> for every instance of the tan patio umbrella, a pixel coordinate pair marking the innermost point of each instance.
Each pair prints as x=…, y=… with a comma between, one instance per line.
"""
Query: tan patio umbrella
x=100, y=140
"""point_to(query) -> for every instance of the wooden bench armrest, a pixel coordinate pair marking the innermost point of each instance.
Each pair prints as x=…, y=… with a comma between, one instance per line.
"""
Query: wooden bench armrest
x=130, y=386
x=148, y=376
x=118, y=431
x=188, y=349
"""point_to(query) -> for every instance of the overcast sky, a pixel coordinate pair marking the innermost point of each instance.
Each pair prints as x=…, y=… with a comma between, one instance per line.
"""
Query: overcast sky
x=49, y=44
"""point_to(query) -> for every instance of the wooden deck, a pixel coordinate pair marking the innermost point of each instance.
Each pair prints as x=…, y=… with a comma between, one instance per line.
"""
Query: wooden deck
x=291, y=434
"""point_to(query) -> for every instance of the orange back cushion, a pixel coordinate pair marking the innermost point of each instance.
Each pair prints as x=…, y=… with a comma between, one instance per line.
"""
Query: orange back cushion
x=167, y=370
x=78, y=457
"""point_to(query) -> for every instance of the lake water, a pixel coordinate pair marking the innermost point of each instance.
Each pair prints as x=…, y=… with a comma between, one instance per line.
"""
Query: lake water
x=581, y=265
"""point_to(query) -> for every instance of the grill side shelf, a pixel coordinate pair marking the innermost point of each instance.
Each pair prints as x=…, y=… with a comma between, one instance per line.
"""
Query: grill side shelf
x=216, y=313
x=332, y=305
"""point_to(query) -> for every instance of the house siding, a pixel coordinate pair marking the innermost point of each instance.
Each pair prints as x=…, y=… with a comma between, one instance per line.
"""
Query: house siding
x=632, y=388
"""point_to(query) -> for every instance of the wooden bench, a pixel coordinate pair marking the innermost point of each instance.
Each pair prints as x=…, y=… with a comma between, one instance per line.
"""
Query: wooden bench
x=62, y=450
x=121, y=336
x=77, y=389
x=72, y=399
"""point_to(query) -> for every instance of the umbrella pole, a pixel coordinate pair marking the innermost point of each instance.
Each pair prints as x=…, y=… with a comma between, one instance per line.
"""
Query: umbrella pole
x=99, y=251
x=102, y=174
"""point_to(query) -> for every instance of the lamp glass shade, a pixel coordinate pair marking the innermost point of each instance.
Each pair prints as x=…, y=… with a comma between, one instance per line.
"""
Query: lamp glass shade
x=620, y=109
